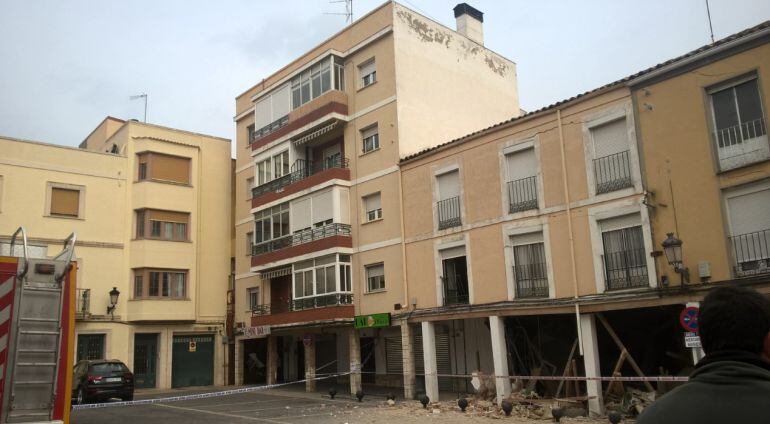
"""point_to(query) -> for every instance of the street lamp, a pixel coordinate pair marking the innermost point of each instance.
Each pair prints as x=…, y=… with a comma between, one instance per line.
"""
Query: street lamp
x=114, y=293
x=672, y=247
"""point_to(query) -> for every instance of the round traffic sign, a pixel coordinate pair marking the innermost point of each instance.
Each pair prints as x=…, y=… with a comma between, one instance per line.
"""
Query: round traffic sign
x=689, y=319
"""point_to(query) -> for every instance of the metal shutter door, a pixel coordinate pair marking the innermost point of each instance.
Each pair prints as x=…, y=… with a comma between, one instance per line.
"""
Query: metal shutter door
x=394, y=361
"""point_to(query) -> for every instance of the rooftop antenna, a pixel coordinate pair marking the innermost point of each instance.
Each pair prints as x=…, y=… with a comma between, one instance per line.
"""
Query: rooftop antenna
x=140, y=96
x=348, y=10
x=711, y=28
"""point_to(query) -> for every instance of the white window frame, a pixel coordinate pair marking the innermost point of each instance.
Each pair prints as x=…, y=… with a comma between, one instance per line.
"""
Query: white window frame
x=369, y=278
x=528, y=226
x=370, y=77
x=372, y=139
x=743, y=190
x=437, y=172
x=460, y=240
x=374, y=214
x=250, y=299
x=249, y=186
x=337, y=264
x=514, y=146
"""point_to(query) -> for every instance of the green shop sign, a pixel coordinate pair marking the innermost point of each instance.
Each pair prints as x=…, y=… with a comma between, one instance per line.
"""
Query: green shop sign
x=373, y=320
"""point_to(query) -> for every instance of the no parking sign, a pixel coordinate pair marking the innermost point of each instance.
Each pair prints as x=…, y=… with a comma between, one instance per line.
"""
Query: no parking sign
x=689, y=319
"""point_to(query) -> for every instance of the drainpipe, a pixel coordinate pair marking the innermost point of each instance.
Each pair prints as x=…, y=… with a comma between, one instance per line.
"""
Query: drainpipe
x=403, y=238
x=565, y=180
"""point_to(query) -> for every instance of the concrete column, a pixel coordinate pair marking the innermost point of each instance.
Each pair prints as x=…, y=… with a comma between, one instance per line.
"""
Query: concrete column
x=272, y=359
x=407, y=352
x=429, y=356
x=500, y=357
x=591, y=364
x=354, y=341
x=310, y=366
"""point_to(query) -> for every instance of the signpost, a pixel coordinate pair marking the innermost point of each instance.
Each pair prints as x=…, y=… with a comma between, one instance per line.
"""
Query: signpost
x=688, y=319
x=372, y=321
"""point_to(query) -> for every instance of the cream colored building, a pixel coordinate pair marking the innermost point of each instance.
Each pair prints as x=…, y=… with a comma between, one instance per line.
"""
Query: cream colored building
x=136, y=195
x=318, y=214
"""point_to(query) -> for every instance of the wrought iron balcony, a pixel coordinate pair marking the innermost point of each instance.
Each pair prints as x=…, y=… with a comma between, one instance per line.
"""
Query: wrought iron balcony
x=531, y=280
x=449, y=213
x=522, y=194
x=269, y=128
x=301, y=237
x=322, y=301
x=612, y=172
x=625, y=269
x=455, y=290
x=300, y=170
x=751, y=253
x=83, y=300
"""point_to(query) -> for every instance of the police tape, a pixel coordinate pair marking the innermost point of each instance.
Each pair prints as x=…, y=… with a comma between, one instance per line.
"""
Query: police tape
x=200, y=395
x=552, y=377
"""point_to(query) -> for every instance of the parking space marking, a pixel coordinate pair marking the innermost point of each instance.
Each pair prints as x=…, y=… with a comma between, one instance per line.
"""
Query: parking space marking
x=238, y=403
x=221, y=414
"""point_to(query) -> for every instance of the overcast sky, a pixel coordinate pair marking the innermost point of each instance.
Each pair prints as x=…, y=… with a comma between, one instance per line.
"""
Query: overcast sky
x=65, y=65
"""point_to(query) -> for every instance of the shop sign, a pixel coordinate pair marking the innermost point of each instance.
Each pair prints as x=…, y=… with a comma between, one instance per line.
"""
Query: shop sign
x=372, y=321
x=258, y=331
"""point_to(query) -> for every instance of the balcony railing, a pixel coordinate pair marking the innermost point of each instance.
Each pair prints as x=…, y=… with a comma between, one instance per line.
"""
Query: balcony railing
x=752, y=253
x=612, y=172
x=531, y=280
x=83, y=300
x=269, y=128
x=522, y=194
x=455, y=290
x=449, y=213
x=737, y=134
x=742, y=144
x=301, y=237
x=625, y=269
x=300, y=170
x=322, y=301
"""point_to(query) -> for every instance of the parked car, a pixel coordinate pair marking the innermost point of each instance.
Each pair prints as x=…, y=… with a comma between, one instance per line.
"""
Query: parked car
x=100, y=380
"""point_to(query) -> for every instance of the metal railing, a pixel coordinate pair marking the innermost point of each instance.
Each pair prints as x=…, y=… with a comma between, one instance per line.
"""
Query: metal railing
x=449, y=213
x=455, y=290
x=269, y=128
x=83, y=299
x=612, y=172
x=751, y=253
x=737, y=134
x=625, y=269
x=322, y=301
x=301, y=237
x=531, y=280
x=300, y=170
x=522, y=194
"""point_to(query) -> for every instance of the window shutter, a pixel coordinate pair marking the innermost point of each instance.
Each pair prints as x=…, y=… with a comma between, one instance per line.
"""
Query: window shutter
x=521, y=164
x=619, y=222
x=449, y=185
x=528, y=238
x=610, y=138
x=373, y=202
x=375, y=271
x=749, y=212
x=300, y=214
x=262, y=113
x=452, y=252
x=168, y=216
x=322, y=207
x=281, y=103
x=65, y=201
x=170, y=168
x=367, y=68
x=369, y=132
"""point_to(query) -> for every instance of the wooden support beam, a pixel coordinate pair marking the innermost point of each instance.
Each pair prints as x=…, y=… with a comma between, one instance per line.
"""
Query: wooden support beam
x=622, y=347
x=616, y=371
x=566, y=367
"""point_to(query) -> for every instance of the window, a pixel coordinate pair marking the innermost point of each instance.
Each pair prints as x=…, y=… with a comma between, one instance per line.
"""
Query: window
x=162, y=225
x=161, y=167
x=250, y=130
x=739, y=125
x=612, y=167
x=272, y=168
x=1, y=193
x=311, y=83
x=65, y=200
x=529, y=265
x=271, y=223
x=368, y=73
x=522, y=180
x=448, y=206
x=170, y=284
x=249, y=242
x=371, y=139
x=346, y=284
x=375, y=277
x=373, y=207
x=625, y=259
x=749, y=218
x=253, y=298
x=249, y=187
x=454, y=276
x=319, y=276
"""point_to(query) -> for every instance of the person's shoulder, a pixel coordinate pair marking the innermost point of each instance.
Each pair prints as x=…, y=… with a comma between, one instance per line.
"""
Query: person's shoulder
x=668, y=405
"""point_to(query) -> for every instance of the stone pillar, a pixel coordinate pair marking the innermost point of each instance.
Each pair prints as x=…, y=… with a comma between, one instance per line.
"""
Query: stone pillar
x=500, y=357
x=591, y=364
x=354, y=341
x=310, y=366
x=272, y=359
x=429, y=356
x=407, y=352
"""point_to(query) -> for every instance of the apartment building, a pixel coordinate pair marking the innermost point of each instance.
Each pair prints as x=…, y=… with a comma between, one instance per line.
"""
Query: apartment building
x=318, y=214
x=542, y=239
x=136, y=196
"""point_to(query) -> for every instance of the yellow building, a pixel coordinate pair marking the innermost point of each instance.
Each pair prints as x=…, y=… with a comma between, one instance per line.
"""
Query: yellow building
x=318, y=210
x=136, y=195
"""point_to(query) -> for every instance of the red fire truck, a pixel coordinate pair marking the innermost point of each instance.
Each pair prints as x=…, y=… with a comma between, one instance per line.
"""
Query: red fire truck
x=37, y=331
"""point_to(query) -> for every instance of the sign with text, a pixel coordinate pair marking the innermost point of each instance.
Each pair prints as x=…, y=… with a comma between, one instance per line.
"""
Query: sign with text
x=691, y=340
x=372, y=321
x=259, y=331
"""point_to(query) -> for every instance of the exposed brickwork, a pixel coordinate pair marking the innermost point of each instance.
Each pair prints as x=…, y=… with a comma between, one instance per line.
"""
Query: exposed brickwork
x=325, y=175
x=302, y=249
x=308, y=315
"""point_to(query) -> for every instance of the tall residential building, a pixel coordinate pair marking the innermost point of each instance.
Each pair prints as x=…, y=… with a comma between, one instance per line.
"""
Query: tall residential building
x=137, y=196
x=318, y=213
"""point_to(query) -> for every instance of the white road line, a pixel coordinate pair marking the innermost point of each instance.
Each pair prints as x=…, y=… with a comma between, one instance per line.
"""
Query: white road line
x=239, y=403
x=304, y=407
x=221, y=414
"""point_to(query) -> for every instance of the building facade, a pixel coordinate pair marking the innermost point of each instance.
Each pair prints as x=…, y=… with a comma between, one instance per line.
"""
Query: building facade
x=135, y=195
x=318, y=209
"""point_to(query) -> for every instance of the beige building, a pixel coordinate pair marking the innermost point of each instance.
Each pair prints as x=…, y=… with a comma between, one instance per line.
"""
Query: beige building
x=318, y=211
x=136, y=195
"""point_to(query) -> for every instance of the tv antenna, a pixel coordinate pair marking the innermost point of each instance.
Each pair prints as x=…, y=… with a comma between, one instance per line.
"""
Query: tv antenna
x=348, y=10
x=140, y=96
x=711, y=28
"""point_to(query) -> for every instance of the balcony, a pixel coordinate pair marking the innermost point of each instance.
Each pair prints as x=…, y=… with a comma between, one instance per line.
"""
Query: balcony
x=327, y=107
x=83, y=303
x=751, y=253
x=742, y=144
x=612, y=172
x=304, y=174
x=522, y=194
x=626, y=269
x=317, y=308
x=301, y=243
x=449, y=213
x=531, y=280
x=455, y=290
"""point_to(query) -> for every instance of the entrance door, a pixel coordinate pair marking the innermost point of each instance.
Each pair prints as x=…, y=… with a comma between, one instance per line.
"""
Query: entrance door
x=192, y=363
x=145, y=360
x=368, y=366
x=255, y=361
x=90, y=346
x=280, y=294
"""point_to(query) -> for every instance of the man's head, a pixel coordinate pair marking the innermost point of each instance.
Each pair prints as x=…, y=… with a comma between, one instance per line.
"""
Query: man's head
x=735, y=318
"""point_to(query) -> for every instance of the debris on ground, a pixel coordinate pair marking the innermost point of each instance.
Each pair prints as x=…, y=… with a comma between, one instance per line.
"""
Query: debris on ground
x=631, y=403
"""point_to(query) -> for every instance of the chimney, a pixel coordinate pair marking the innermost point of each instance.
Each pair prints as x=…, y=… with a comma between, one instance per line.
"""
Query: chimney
x=470, y=22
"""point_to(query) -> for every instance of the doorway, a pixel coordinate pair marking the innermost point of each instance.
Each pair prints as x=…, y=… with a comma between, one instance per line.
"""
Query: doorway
x=145, y=360
x=368, y=363
x=255, y=361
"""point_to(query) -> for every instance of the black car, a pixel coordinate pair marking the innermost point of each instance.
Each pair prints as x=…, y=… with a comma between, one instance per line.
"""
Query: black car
x=100, y=380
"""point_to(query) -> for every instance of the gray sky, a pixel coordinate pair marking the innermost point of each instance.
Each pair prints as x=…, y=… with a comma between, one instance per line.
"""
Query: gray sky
x=65, y=65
